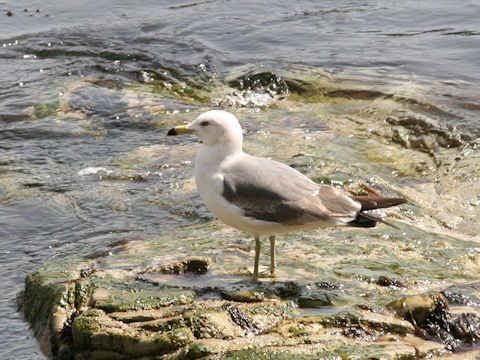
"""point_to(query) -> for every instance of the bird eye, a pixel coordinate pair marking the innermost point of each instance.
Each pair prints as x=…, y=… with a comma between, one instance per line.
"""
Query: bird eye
x=204, y=123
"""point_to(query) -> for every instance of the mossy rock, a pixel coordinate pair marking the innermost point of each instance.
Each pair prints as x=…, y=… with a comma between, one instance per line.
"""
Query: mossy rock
x=50, y=298
x=193, y=264
x=95, y=331
x=111, y=295
x=319, y=299
x=82, y=293
x=416, y=308
x=197, y=350
x=244, y=296
x=260, y=354
x=213, y=324
x=298, y=330
x=83, y=329
x=383, y=323
x=80, y=314
x=163, y=325
x=127, y=300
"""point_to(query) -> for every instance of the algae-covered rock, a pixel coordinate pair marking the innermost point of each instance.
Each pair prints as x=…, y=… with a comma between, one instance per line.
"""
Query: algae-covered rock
x=261, y=354
x=197, y=351
x=50, y=299
x=417, y=307
x=112, y=300
x=81, y=312
x=244, y=296
x=319, y=299
x=95, y=330
x=84, y=327
x=432, y=318
x=214, y=324
x=366, y=320
x=192, y=264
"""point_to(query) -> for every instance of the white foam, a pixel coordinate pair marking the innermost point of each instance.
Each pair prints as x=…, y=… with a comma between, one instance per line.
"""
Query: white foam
x=93, y=171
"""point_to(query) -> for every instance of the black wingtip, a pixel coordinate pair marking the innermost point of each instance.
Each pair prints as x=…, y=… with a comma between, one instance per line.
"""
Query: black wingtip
x=172, y=132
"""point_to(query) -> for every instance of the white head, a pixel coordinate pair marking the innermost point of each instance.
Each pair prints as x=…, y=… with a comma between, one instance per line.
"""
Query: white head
x=217, y=127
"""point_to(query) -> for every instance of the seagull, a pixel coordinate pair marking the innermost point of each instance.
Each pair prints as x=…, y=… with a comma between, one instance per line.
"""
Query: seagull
x=264, y=197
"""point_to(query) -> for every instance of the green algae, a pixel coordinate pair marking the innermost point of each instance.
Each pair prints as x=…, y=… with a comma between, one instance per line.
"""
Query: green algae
x=244, y=296
x=260, y=354
x=50, y=297
x=298, y=330
x=134, y=299
x=93, y=331
x=370, y=352
x=210, y=324
x=164, y=325
x=84, y=328
x=44, y=110
x=64, y=270
x=82, y=293
x=197, y=350
x=277, y=309
x=178, y=338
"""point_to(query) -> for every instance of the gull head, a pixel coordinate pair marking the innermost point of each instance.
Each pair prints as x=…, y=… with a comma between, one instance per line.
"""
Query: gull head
x=215, y=127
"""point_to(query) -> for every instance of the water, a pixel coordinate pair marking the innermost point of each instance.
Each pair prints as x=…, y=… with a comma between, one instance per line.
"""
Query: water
x=87, y=90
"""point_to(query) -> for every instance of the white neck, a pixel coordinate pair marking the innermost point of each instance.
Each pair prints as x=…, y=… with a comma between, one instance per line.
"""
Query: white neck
x=215, y=154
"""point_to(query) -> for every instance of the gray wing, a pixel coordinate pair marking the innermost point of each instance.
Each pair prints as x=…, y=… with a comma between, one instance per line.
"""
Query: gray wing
x=271, y=191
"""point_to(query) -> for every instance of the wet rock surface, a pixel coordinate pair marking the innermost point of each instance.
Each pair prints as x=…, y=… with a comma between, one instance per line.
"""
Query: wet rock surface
x=432, y=319
x=80, y=311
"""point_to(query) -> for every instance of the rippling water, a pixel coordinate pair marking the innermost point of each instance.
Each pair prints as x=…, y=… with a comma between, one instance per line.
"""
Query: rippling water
x=88, y=88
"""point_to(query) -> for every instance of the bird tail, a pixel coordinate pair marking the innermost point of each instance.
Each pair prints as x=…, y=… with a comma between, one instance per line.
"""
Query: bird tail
x=371, y=203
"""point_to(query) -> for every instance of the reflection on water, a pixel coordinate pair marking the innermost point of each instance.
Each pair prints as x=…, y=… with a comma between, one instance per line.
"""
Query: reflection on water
x=349, y=93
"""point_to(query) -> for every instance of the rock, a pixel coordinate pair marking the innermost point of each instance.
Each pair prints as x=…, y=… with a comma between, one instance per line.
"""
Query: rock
x=318, y=299
x=95, y=331
x=467, y=328
x=82, y=314
x=112, y=297
x=82, y=293
x=194, y=264
x=242, y=319
x=432, y=319
x=416, y=308
x=244, y=296
x=196, y=351
x=214, y=324
x=383, y=323
x=49, y=299
x=463, y=294
x=248, y=292
x=390, y=282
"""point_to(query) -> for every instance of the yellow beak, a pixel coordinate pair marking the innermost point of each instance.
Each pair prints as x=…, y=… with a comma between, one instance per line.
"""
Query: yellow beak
x=179, y=130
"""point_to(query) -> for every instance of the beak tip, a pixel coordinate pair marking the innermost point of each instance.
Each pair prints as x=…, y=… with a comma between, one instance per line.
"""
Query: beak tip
x=172, y=132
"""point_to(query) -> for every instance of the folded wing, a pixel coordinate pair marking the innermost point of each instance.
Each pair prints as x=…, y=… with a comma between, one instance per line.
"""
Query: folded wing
x=270, y=191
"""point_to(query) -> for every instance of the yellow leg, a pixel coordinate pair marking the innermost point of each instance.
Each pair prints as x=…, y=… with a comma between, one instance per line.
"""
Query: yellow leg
x=258, y=247
x=273, y=265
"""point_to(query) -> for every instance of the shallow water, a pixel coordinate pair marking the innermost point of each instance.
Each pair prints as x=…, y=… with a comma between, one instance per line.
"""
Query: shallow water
x=371, y=92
